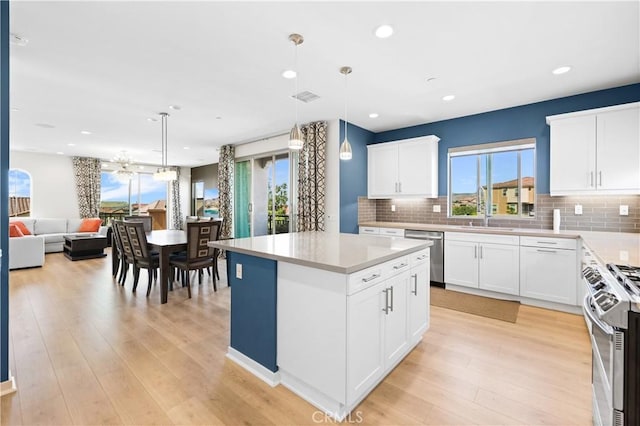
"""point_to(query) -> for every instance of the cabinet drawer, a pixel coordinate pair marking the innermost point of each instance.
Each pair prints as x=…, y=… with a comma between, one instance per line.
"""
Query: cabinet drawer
x=395, y=266
x=419, y=257
x=392, y=232
x=366, y=278
x=369, y=230
x=547, y=242
x=482, y=238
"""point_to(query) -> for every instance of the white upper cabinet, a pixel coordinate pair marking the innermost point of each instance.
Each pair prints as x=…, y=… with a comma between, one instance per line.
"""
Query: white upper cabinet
x=406, y=168
x=596, y=151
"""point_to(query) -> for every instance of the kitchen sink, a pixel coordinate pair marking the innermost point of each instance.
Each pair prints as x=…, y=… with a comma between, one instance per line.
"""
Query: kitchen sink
x=492, y=228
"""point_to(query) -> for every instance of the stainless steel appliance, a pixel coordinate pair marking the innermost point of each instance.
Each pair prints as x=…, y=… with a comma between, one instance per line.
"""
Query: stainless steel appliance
x=437, y=252
x=612, y=311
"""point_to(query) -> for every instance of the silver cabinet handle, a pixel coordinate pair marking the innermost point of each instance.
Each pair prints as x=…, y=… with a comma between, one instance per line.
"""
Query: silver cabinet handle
x=546, y=251
x=386, y=301
x=391, y=307
x=372, y=277
x=396, y=186
x=400, y=266
x=399, y=186
x=415, y=284
x=591, y=173
x=547, y=242
x=475, y=252
x=480, y=252
x=424, y=256
x=600, y=178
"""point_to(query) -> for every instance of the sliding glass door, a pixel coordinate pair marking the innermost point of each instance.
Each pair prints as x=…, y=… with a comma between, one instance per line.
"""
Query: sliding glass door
x=262, y=196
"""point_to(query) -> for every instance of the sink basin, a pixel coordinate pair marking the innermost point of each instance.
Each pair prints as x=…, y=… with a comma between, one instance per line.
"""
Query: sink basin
x=490, y=228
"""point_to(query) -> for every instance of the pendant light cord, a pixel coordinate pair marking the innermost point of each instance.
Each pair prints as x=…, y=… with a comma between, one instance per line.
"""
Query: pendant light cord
x=295, y=83
x=346, y=95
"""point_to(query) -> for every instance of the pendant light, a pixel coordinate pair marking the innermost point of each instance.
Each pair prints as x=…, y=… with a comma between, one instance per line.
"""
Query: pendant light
x=345, y=147
x=295, y=136
x=164, y=173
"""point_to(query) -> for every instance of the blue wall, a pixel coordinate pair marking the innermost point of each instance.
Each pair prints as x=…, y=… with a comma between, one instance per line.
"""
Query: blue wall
x=353, y=176
x=4, y=190
x=512, y=123
x=520, y=122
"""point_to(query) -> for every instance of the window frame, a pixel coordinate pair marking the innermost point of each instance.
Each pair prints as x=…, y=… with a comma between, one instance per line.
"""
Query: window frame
x=518, y=146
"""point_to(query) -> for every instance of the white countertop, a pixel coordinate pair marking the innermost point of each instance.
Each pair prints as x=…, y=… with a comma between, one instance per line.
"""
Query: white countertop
x=609, y=247
x=342, y=253
x=475, y=229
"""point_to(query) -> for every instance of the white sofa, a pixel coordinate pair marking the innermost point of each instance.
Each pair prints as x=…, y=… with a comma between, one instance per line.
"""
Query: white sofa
x=47, y=237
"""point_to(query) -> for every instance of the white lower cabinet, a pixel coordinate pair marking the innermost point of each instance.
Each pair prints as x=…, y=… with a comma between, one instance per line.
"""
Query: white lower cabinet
x=548, y=269
x=419, y=300
x=377, y=331
x=487, y=262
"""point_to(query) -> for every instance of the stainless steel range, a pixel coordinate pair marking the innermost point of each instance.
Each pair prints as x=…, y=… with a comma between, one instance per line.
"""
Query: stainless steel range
x=612, y=311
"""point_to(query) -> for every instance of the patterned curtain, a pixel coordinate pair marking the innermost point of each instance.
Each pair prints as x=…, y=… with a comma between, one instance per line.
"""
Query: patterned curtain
x=87, y=172
x=225, y=187
x=174, y=193
x=312, y=177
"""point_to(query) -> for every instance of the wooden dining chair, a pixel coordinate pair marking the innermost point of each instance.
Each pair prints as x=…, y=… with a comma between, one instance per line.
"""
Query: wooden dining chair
x=146, y=220
x=144, y=258
x=124, y=248
x=198, y=255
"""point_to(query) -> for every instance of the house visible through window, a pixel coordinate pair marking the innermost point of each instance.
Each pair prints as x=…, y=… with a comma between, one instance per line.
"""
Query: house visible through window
x=500, y=175
x=19, y=193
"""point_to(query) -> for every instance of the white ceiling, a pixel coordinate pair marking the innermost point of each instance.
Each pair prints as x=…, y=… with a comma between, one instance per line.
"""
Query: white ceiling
x=106, y=66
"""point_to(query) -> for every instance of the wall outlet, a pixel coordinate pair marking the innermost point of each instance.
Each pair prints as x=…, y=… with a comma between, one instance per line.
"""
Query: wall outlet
x=578, y=209
x=239, y=271
x=436, y=208
x=393, y=207
x=624, y=210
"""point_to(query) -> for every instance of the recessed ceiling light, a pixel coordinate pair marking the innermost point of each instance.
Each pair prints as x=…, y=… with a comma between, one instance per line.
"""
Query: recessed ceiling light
x=448, y=98
x=384, y=31
x=60, y=153
x=152, y=119
x=289, y=74
x=430, y=79
x=85, y=132
x=45, y=125
x=175, y=107
x=218, y=118
x=561, y=70
x=373, y=115
x=71, y=144
x=141, y=167
x=17, y=40
x=186, y=147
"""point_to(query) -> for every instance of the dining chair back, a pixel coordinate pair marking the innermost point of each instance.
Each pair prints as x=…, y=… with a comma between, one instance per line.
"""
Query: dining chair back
x=146, y=220
x=144, y=258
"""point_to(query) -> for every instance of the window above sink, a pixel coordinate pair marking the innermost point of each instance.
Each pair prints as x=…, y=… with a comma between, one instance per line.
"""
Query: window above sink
x=494, y=179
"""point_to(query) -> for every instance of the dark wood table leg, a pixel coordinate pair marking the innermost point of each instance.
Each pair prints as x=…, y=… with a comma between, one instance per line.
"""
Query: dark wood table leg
x=115, y=258
x=164, y=274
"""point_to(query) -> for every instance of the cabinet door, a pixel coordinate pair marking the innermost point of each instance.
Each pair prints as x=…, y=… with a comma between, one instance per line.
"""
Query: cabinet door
x=382, y=172
x=499, y=268
x=395, y=319
x=548, y=274
x=618, y=150
x=418, y=301
x=414, y=174
x=573, y=155
x=365, y=351
x=461, y=263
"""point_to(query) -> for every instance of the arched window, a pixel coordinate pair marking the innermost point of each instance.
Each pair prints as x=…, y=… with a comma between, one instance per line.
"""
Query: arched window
x=19, y=193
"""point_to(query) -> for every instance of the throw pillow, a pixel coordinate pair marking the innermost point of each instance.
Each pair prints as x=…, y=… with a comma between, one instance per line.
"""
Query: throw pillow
x=14, y=231
x=90, y=225
x=23, y=228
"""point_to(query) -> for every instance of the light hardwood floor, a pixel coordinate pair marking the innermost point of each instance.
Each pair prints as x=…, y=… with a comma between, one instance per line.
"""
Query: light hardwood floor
x=85, y=350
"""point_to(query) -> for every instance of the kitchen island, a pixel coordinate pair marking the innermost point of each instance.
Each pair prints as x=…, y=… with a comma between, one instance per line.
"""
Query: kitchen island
x=326, y=315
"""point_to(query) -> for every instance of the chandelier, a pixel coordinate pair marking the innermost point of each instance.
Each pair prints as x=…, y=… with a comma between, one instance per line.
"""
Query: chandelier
x=124, y=172
x=165, y=173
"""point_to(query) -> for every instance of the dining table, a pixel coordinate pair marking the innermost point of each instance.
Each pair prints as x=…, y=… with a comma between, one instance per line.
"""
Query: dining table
x=165, y=242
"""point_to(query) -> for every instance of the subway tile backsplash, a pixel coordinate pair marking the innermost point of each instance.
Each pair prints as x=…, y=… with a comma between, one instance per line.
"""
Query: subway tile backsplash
x=599, y=213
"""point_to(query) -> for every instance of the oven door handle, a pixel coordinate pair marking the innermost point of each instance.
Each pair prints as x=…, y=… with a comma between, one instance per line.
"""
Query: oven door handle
x=586, y=306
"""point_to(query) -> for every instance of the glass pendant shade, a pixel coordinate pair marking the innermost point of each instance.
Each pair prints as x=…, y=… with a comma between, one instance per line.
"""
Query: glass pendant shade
x=295, y=138
x=345, y=150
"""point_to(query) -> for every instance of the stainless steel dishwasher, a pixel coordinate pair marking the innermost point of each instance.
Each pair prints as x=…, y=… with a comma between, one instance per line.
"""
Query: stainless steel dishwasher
x=437, y=251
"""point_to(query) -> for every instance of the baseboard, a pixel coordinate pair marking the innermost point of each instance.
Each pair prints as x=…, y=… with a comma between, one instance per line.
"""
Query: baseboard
x=269, y=377
x=8, y=386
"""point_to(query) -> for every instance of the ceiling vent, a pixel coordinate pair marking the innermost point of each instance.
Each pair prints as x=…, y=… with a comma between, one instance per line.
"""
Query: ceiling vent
x=306, y=97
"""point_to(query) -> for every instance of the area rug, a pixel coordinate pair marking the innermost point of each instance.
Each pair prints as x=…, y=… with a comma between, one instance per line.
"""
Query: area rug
x=505, y=310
